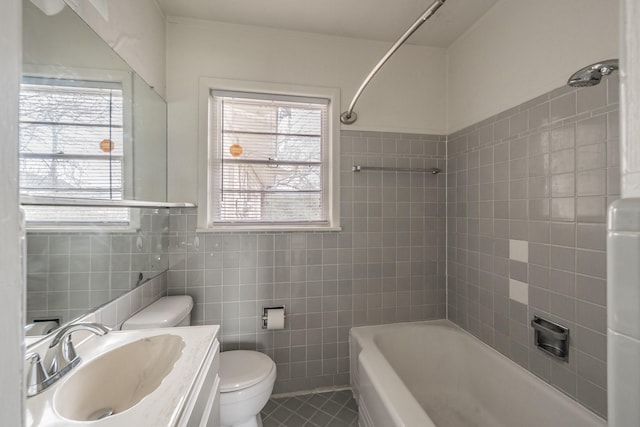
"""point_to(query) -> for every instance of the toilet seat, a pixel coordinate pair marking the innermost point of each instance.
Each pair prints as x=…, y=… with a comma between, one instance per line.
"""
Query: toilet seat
x=240, y=369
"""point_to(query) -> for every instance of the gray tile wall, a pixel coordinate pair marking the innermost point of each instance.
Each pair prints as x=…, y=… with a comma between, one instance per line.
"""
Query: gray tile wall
x=386, y=265
x=70, y=273
x=114, y=313
x=528, y=191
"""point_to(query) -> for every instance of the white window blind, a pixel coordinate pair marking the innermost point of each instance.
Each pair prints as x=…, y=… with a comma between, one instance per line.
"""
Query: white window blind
x=269, y=163
x=62, y=125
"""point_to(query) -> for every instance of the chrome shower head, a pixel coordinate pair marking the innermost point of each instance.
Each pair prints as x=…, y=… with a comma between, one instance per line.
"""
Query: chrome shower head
x=592, y=74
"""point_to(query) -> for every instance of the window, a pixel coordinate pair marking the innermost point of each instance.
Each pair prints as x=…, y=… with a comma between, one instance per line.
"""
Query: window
x=71, y=145
x=270, y=161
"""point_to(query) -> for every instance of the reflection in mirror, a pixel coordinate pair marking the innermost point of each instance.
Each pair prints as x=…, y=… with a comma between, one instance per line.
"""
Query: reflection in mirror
x=90, y=128
x=70, y=273
x=150, y=143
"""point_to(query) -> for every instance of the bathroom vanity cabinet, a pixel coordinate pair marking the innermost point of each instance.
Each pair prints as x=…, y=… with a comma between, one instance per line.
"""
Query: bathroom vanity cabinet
x=203, y=404
x=161, y=377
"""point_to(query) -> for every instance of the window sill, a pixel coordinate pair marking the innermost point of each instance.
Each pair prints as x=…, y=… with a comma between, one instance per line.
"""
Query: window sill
x=266, y=228
x=82, y=229
x=101, y=203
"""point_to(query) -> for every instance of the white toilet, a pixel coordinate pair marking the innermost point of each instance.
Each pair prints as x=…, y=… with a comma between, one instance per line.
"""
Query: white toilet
x=246, y=382
x=246, y=377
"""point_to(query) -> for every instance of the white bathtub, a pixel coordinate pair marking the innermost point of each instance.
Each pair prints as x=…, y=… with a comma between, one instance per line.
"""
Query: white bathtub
x=427, y=374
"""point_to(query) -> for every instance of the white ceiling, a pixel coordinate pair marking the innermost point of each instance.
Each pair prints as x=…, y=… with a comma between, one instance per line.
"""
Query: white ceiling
x=383, y=20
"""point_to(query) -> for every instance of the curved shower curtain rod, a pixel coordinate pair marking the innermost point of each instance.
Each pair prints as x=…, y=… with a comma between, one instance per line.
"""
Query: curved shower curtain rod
x=349, y=116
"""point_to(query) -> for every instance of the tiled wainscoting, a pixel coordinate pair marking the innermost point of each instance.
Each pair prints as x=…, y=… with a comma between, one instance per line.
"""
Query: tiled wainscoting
x=120, y=309
x=528, y=191
x=69, y=273
x=386, y=265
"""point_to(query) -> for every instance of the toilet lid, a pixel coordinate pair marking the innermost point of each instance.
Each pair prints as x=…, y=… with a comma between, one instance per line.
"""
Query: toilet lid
x=242, y=368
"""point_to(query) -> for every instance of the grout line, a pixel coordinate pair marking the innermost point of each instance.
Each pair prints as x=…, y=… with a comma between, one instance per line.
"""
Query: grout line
x=332, y=417
x=319, y=390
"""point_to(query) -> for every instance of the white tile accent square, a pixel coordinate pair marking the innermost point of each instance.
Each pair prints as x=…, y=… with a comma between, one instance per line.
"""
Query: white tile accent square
x=519, y=250
x=519, y=291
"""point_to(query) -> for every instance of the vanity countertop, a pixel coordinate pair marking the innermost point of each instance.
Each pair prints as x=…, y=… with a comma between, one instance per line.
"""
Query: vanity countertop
x=165, y=406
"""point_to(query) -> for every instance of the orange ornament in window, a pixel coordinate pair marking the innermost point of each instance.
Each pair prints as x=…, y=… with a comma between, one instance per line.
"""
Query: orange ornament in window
x=107, y=145
x=236, y=150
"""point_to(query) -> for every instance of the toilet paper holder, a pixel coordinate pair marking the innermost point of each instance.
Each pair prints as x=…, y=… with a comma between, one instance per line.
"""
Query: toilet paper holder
x=265, y=313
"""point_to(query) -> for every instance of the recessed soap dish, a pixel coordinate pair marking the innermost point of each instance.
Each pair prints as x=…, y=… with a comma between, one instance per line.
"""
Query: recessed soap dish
x=551, y=338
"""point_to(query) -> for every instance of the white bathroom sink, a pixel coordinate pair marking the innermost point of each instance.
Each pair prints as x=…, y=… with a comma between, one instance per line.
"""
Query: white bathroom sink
x=119, y=379
x=140, y=377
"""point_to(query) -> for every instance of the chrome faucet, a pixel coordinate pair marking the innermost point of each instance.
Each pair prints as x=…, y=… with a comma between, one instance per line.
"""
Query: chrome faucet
x=61, y=357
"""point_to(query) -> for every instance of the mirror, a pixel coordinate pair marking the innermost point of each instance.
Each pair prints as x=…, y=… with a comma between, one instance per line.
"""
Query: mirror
x=69, y=273
x=90, y=128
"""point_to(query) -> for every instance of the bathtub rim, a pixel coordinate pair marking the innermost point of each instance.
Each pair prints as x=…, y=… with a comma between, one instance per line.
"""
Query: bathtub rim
x=400, y=404
x=397, y=399
x=365, y=335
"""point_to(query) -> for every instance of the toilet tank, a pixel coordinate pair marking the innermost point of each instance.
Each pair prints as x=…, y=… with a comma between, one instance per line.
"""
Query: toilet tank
x=167, y=312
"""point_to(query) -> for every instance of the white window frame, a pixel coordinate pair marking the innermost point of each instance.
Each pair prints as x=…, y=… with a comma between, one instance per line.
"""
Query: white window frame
x=331, y=155
x=124, y=78
x=132, y=226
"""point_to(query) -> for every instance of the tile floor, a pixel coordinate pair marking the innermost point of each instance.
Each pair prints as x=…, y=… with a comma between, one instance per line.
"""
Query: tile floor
x=331, y=409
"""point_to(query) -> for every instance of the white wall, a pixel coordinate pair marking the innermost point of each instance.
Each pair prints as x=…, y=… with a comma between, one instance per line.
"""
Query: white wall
x=623, y=351
x=408, y=95
x=136, y=30
x=149, y=148
x=630, y=98
x=62, y=43
x=521, y=49
x=11, y=283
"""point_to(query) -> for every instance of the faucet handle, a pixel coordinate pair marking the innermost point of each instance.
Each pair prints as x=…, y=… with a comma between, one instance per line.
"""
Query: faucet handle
x=68, y=350
x=36, y=376
x=62, y=357
x=63, y=354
